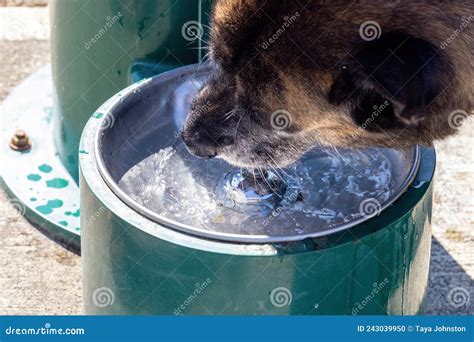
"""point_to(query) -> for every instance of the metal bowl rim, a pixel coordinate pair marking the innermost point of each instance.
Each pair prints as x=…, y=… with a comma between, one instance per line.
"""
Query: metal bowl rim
x=114, y=103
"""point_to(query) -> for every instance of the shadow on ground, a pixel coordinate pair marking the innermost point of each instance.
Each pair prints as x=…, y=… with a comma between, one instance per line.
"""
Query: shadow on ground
x=450, y=290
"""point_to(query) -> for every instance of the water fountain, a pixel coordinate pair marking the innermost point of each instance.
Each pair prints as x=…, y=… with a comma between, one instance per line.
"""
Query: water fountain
x=158, y=223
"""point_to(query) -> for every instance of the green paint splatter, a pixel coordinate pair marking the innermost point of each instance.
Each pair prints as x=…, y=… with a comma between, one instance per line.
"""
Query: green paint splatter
x=57, y=183
x=77, y=228
x=83, y=152
x=64, y=223
x=45, y=168
x=77, y=213
x=33, y=177
x=71, y=159
x=50, y=206
x=141, y=26
x=33, y=199
x=98, y=115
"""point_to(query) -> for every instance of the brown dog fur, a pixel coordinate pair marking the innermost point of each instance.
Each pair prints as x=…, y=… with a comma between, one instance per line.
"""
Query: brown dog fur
x=309, y=64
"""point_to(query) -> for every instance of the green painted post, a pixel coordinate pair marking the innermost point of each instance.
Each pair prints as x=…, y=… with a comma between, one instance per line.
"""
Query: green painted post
x=132, y=265
x=96, y=44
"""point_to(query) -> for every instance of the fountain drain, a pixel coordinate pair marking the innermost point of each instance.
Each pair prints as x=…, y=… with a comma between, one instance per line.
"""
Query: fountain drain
x=255, y=192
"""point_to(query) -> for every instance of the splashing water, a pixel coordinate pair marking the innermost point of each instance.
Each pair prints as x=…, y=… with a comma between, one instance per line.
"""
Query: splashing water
x=323, y=190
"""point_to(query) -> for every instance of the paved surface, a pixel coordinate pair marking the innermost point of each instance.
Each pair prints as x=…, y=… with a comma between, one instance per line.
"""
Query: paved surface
x=24, y=23
x=37, y=276
x=452, y=258
x=23, y=2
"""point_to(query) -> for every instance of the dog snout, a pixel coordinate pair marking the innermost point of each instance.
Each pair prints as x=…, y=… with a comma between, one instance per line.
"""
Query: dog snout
x=205, y=143
x=199, y=145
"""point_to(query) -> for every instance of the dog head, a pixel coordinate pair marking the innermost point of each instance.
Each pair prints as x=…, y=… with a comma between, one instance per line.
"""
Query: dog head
x=285, y=77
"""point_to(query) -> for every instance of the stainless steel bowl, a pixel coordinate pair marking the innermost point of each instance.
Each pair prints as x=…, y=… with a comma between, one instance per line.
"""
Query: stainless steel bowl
x=143, y=121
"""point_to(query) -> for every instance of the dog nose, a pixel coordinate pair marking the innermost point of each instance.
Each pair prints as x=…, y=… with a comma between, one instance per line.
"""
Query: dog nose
x=199, y=146
x=203, y=144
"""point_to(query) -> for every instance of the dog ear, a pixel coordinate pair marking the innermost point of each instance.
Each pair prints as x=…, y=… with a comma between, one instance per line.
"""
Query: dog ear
x=405, y=71
x=234, y=27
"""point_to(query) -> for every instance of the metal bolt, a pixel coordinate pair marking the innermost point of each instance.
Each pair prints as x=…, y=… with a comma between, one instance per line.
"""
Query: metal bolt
x=20, y=141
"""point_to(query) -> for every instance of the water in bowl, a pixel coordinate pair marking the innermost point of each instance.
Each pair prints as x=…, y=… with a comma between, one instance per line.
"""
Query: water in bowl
x=326, y=188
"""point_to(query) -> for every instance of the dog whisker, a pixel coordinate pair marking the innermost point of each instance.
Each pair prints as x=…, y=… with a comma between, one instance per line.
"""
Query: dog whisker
x=237, y=126
x=229, y=114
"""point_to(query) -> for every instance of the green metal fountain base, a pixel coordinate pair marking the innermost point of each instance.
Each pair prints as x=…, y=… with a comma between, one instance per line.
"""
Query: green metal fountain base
x=36, y=180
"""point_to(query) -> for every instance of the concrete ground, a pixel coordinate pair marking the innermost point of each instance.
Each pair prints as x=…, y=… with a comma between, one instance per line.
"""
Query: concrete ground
x=37, y=276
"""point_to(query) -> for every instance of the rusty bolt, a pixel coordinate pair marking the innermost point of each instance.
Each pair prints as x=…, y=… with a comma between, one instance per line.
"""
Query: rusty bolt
x=20, y=141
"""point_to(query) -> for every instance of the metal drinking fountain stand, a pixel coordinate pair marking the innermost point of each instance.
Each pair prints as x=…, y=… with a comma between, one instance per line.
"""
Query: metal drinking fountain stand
x=134, y=264
x=150, y=263
x=98, y=48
